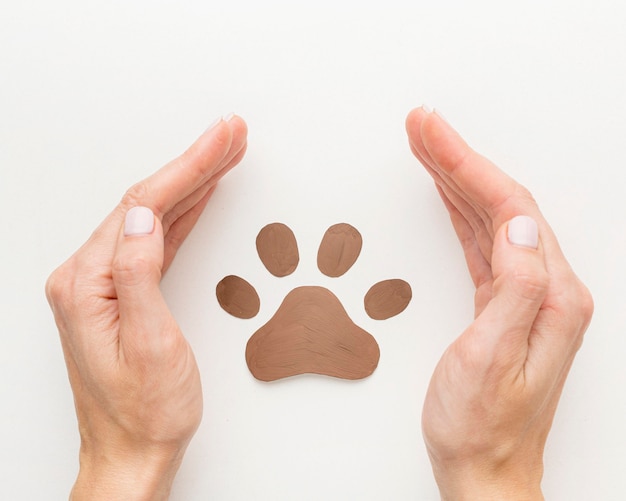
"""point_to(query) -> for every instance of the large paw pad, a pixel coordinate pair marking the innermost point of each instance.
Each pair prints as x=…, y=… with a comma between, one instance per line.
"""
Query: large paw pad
x=311, y=331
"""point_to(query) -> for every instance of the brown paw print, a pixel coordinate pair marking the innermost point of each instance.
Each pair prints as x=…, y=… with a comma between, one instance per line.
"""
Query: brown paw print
x=311, y=331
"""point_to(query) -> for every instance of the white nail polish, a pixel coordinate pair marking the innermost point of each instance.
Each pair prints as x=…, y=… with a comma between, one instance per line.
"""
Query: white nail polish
x=427, y=108
x=523, y=231
x=228, y=117
x=139, y=221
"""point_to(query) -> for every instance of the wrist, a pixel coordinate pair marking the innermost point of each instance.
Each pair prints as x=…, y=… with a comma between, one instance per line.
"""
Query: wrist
x=136, y=476
x=471, y=482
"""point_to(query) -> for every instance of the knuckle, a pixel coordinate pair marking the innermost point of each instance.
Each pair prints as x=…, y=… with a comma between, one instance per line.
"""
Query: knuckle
x=133, y=269
x=53, y=288
x=529, y=284
x=586, y=304
x=64, y=293
x=58, y=286
x=580, y=303
x=574, y=305
x=524, y=193
x=517, y=197
x=135, y=195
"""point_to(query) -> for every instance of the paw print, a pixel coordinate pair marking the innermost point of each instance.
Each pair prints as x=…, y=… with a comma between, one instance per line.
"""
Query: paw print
x=311, y=331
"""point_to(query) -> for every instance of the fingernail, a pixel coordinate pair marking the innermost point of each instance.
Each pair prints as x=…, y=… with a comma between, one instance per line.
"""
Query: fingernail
x=139, y=221
x=226, y=118
x=426, y=108
x=523, y=231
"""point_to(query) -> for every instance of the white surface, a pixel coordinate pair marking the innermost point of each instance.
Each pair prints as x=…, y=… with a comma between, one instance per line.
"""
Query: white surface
x=96, y=95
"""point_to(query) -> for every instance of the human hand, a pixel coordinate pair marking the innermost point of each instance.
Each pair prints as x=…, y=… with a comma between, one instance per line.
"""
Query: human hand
x=493, y=395
x=134, y=377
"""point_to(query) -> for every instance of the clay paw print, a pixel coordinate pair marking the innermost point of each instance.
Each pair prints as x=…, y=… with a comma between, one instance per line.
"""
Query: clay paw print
x=311, y=331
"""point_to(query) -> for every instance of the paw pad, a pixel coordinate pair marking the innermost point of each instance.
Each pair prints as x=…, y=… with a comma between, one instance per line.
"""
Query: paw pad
x=311, y=331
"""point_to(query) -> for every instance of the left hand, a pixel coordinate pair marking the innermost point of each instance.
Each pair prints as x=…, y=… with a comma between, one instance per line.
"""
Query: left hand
x=493, y=395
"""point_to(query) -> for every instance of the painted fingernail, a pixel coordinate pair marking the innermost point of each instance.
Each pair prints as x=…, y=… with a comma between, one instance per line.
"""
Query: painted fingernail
x=523, y=231
x=227, y=118
x=427, y=108
x=139, y=221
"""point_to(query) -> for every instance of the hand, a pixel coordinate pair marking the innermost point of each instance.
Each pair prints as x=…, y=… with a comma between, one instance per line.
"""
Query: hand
x=493, y=395
x=135, y=381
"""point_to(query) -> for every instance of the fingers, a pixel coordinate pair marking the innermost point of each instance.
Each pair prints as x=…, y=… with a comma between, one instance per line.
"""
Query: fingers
x=179, y=222
x=136, y=274
x=184, y=175
x=481, y=183
x=520, y=284
x=414, y=124
x=473, y=213
x=476, y=187
x=180, y=229
x=214, y=152
x=174, y=190
x=138, y=257
x=479, y=267
x=536, y=319
x=481, y=228
x=234, y=156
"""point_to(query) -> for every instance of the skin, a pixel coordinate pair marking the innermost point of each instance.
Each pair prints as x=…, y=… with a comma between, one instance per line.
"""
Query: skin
x=135, y=380
x=493, y=395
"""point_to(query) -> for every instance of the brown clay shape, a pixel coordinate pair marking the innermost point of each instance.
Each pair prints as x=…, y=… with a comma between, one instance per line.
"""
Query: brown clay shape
x=311, y=333
x=387, y=298
x=237, y=297
x=339, y=250
x=278, y=249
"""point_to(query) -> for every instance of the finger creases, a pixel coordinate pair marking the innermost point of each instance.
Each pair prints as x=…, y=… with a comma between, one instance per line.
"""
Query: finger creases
x=520, y=285
x=452, y=155
x=183, y=176
x=137, y=264
x=181, y=180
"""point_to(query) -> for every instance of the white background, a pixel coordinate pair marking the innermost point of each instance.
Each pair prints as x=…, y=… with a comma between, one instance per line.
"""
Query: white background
x=96, y=95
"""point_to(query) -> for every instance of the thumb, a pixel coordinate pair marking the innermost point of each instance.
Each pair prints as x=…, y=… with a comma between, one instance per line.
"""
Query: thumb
x=136, y=272
x=520, y=284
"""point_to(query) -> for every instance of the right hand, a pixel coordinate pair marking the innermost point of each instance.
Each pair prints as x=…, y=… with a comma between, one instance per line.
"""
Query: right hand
x=134, y=377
